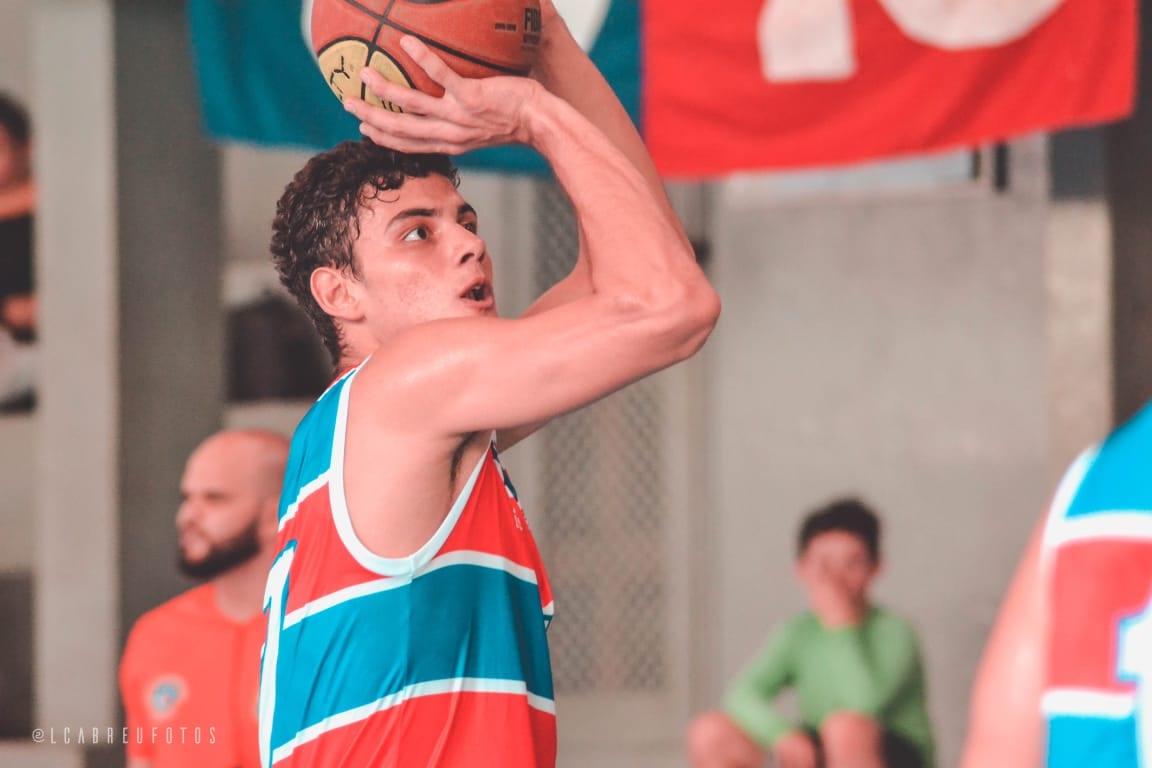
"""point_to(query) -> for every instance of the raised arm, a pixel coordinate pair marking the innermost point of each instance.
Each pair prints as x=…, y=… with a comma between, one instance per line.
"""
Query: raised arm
x=566, y=71
x=1004, y=719
x=649, y=304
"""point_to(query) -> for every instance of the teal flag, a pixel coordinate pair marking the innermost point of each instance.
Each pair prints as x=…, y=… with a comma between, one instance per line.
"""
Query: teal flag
x=259, y=82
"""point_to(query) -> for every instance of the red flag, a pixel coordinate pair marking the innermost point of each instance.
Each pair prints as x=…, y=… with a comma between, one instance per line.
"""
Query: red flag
x=755, y=84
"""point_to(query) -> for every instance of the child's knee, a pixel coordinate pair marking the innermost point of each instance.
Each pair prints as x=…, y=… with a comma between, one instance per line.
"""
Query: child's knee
x=849, y=733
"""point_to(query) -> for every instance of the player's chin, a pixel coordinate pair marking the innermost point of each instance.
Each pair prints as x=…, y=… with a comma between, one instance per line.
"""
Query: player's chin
x=483, y=308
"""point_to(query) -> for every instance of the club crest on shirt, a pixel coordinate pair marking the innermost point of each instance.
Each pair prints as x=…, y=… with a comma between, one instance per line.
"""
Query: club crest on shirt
x=517, y=511
x=165, y=695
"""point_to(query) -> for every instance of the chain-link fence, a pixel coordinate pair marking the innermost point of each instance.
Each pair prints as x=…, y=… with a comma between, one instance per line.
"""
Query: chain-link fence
x=602, y=504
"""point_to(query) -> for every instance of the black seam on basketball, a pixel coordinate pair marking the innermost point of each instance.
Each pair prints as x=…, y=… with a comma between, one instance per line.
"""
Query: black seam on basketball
x=458, y=54
x=378, y=16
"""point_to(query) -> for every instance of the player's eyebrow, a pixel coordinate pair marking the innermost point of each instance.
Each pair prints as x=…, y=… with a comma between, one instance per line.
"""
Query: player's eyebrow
x=414, y=213
x=429, y=213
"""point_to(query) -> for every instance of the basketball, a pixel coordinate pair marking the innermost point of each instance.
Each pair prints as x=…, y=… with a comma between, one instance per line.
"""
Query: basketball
x=476, y=38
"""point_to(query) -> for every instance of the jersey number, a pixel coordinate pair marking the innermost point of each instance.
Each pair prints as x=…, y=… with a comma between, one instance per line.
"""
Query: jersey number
x=813, y=39
x=274, y=596
x=1134, y=664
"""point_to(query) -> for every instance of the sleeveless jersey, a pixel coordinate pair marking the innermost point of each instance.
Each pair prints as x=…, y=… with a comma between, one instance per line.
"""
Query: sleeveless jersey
x=436, y=659
x=1098, y=697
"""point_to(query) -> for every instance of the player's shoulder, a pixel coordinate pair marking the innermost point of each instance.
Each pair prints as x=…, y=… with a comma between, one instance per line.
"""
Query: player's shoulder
x=1105, y=478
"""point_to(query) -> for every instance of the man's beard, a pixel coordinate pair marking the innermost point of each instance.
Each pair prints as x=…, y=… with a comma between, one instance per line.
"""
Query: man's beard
x=224, y=556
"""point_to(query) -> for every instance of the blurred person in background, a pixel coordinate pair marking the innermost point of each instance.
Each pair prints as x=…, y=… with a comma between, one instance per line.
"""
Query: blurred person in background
x=1064, y=678
x=17, y=297
x=190, y=672
x=855, y=667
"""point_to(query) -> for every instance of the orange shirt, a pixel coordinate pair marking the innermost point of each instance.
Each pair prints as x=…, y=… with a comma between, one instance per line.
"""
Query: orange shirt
x=190, y=678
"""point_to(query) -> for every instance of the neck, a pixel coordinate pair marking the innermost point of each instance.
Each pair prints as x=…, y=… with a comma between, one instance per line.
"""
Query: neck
x=348, y=361
x=240, y=591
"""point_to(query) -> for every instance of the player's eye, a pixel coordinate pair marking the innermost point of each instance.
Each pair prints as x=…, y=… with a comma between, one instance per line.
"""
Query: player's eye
x=417, y=234
x=472, y=226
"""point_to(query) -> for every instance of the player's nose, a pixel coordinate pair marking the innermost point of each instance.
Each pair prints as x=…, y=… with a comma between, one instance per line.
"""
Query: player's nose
x=470, y=247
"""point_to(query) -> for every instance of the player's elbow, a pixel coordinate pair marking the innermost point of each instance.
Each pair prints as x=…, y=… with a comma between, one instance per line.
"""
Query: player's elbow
x=684, y=311
x=693, y=315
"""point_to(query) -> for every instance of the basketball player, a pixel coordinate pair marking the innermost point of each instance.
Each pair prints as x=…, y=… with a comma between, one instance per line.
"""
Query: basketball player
x=1064, y=682
x=408, y=606
x=190, y=671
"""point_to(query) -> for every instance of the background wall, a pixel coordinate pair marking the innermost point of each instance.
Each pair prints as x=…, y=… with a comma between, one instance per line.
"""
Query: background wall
x=17, y=433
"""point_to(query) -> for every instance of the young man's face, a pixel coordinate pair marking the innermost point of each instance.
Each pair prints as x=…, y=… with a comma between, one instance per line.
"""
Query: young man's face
x=840, y=561
x=420, y=258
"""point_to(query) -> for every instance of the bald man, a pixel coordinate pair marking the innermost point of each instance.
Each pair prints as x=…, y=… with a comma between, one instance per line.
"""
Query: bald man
x=190, y=671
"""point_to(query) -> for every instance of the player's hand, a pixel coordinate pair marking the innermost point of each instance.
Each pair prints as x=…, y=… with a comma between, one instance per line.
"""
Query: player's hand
x=473, y=113
x=795, y=750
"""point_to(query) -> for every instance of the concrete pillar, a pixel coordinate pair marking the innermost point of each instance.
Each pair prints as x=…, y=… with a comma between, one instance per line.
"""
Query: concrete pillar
x=130, y=269
x=1078, y=278
x=1130, y=192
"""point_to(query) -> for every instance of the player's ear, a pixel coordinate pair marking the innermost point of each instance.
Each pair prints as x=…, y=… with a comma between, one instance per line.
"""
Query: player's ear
x=332, y=290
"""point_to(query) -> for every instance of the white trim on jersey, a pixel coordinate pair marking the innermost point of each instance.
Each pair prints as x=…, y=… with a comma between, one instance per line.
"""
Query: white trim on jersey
x=375, y=586
x=1124, y=525
x=483, y=560
x=306, y=491
x=1087, y=701
x=332, y=599
x=414, y=691
x=1067, y=490
x=385, y=566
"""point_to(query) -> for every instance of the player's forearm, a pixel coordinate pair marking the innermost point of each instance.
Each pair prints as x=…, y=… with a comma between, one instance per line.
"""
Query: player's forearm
x=634, y=250
x=565, y=69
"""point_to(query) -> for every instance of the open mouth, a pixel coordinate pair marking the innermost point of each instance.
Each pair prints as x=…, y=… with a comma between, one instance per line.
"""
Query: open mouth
x=479, y=292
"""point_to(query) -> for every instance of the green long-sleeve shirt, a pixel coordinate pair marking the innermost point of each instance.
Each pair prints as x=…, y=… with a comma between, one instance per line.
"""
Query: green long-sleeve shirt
x=872, y=668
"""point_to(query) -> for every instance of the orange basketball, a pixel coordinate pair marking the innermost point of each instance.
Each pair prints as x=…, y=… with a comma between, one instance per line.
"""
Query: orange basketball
x=477, y=38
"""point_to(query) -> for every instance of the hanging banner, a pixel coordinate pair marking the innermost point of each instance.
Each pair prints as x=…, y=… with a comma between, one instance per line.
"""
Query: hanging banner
x=260, y=84
x=756, y=84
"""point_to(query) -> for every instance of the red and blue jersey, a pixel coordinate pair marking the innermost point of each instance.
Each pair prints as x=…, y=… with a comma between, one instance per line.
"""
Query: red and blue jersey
x=1098, y=697
x=435, y=659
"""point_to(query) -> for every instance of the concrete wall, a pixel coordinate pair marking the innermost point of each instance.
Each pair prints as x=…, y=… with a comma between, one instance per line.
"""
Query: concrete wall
x=15, y=49
x=892, y=346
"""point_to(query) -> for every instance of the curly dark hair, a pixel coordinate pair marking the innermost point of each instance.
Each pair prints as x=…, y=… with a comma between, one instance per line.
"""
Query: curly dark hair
x=318, y=216
x=848, y=515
